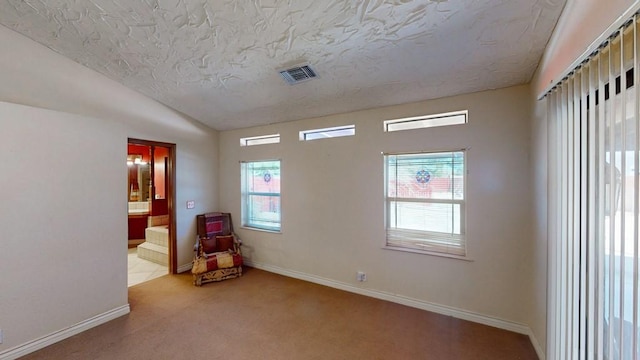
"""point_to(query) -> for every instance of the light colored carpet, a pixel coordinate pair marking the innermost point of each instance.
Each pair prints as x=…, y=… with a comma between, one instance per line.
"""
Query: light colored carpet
x=266, y=316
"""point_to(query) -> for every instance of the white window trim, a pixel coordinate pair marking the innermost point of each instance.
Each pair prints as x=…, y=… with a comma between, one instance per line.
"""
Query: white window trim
x=263, y=230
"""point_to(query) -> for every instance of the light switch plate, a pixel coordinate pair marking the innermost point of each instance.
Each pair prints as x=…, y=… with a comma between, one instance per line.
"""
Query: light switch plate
x=191, y=204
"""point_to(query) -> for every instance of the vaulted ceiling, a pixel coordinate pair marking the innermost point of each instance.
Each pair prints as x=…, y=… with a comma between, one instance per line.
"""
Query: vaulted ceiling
x=218, y=61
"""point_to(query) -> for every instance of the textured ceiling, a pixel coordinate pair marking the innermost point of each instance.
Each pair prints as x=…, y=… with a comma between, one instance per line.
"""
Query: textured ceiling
x=217, y=61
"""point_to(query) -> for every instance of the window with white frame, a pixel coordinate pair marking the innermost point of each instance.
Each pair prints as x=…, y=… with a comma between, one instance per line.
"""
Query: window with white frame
x=427, y=121
x=425, y=202
x=260, y=140
x=326, y=133
x=261, y=195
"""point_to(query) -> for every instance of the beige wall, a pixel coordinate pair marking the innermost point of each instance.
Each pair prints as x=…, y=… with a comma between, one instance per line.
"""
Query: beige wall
x=580, y=25
x=63, y=136
x=539, y=149
x=332, y=203
x=61, y=261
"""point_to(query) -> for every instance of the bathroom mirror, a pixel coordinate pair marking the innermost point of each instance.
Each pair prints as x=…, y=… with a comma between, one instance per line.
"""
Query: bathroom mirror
x=139, y=178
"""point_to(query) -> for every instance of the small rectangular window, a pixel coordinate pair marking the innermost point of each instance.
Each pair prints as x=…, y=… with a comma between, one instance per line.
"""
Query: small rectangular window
x=419, y=122
x=425, y=202
x=325, y=133
x=261, y=194
x=260, y=140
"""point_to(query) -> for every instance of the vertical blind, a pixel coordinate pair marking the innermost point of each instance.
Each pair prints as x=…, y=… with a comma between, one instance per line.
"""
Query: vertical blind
x=594, y=205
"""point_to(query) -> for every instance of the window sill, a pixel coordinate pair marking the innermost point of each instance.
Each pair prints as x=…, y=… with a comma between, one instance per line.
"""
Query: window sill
x=431, y=253
x=261, y=230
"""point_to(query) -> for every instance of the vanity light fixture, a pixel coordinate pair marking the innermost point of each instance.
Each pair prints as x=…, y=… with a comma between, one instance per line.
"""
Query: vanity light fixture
x=135, y=160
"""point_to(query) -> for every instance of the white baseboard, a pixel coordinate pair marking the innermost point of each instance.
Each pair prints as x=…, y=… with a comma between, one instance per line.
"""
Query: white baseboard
x=536, y=346
x=184, y=268
x=37, y=344
x=416, y=303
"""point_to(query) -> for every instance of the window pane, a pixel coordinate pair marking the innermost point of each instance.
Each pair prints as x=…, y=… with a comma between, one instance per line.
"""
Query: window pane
x=426, y=176
x=431, y=217
x=260, y=140
x=426, y=122
x=264, y=211
x=264, y=177
x=618, y=225
x=339, y=131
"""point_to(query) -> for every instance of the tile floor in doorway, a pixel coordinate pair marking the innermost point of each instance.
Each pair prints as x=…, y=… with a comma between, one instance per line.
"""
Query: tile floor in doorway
x=141, y=270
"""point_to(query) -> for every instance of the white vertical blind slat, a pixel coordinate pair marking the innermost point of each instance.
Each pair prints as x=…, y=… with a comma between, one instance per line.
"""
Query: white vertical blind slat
x=576, y=216
x=636, y=184
x=553, y=142
x=603, y=70
x=591, y=346
x=611, y=261
x=624, y=350
x=560, y=310
x=571, y=279
x=564, y=286
x=583, y=119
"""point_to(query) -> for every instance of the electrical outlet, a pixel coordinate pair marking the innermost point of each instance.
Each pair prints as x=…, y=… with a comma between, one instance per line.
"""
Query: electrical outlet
x=361, y=276
x=191, y=204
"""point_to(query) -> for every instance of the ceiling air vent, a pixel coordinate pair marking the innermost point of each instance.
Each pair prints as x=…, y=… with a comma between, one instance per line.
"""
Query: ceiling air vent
x=298, y=74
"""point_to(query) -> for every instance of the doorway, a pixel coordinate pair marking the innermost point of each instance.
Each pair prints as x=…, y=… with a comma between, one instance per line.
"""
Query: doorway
x=151, y=212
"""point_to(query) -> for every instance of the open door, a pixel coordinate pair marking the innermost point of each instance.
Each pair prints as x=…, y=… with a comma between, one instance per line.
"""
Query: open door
x=151, y=193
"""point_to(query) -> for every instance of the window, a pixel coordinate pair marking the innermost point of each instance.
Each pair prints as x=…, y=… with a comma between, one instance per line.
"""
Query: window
x=425, y=202
x=337, y=131
x=419, y=122
x=260, y=140
x=261, y=194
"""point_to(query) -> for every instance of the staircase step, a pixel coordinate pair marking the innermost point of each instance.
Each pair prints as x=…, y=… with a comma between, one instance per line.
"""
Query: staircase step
x=154, y=253
x=157, y=235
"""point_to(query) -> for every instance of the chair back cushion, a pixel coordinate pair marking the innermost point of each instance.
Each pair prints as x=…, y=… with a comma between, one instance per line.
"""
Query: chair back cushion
x=208, y=245
x=224, y=243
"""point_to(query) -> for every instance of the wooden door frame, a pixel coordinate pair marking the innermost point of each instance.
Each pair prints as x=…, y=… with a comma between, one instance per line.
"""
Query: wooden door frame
x=171, y=197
